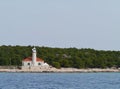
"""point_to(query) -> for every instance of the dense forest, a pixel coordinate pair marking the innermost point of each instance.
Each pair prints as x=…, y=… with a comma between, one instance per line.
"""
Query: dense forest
x=61, y=57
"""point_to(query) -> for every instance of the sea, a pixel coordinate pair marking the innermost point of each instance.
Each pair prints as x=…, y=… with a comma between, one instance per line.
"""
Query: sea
x=59, y=80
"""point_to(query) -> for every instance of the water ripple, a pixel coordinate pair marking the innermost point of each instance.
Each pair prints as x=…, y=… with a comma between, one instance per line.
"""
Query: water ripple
x=59, y=80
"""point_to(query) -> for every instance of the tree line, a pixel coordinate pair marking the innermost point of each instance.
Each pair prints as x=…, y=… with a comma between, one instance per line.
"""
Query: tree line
x=61, y=57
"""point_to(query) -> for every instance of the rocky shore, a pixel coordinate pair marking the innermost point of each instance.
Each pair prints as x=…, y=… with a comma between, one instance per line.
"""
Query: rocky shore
x=62, y=70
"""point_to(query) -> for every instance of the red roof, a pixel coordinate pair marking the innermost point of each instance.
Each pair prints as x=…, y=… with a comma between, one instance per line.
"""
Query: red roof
x=30, y=59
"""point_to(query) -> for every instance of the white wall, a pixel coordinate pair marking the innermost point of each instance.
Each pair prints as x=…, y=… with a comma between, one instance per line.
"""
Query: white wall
x=25, y=63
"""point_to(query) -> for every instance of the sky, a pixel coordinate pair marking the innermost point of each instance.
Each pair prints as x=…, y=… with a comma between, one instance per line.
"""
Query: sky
x=61, y=23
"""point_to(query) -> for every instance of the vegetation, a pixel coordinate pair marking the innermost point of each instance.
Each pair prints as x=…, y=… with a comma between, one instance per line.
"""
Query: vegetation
x=61, y=57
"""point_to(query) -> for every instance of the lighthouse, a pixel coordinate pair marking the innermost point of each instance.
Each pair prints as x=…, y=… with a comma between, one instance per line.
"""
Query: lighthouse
x=34, y=56
x=34, y=62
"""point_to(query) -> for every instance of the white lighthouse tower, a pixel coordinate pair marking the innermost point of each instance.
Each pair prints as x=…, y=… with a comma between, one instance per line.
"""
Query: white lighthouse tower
x=34, y=57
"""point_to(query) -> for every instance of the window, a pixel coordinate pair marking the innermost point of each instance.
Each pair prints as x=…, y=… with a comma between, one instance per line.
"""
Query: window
x=39, y=63
x=28, y=63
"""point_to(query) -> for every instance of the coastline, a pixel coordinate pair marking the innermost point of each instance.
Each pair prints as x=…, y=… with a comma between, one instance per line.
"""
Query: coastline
x=62, y=70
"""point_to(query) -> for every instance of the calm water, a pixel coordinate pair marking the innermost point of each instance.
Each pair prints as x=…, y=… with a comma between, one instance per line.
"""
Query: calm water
x=59, y=80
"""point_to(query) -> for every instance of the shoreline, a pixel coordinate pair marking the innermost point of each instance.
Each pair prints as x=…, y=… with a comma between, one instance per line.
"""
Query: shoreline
x=62, y=70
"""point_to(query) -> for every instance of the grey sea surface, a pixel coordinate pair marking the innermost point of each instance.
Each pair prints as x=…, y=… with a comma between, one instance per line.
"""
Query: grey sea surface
x=59, y=80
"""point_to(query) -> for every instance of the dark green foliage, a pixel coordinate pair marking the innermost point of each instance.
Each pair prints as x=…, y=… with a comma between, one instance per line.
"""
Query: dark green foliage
x=61, y=57
x=56, y=64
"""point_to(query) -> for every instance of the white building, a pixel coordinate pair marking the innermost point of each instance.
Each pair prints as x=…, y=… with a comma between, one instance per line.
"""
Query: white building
x=34, y=62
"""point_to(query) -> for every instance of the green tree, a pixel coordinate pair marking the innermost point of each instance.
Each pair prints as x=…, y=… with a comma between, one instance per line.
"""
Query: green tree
x=56, y=65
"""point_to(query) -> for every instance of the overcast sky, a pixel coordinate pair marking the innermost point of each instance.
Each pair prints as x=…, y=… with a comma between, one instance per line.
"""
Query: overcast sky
x=61, y=23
